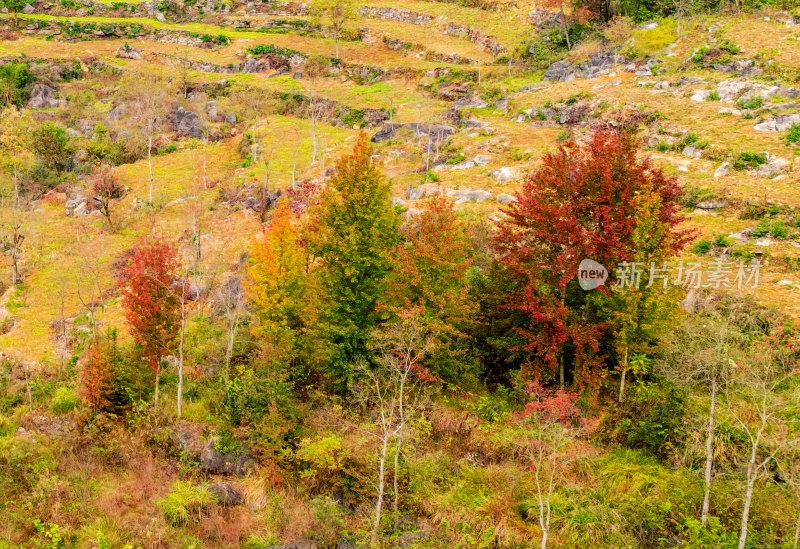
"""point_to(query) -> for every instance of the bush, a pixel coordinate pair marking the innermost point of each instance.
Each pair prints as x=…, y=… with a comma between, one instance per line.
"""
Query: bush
x=64, y=400
x=754, y=102
x=747, y=160
x=185, y=504
x=651, y=418
x=793, y=136
x=701, y=247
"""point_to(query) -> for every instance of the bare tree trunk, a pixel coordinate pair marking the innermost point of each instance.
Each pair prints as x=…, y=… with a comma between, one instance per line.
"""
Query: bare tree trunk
x=158, y=381
x=748, y=496
x=181, y=342
x=712, y=416
x=233, y=326
x=150, y=166
x=314, y=144
x=28, y=387
x=797, y=532
x=622, y=377
x=381, y=472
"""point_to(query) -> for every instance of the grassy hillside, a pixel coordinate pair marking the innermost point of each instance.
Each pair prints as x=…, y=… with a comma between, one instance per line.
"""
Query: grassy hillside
x=226, y=109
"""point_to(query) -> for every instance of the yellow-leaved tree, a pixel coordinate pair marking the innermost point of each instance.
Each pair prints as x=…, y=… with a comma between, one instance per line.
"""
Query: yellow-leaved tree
x=276, y=284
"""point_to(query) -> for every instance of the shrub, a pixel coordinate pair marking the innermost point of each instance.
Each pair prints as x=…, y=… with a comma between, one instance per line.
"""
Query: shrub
x=749, y=103
x=64, y=400
x=185, y=504
x=713, y=96
x=749, y=160
x=651, y=418
x=701, y=247
x=794, y=134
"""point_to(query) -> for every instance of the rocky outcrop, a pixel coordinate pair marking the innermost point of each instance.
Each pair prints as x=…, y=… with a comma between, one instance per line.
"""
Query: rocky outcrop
x=780, y=123
x=215, y=461
x=489, y=43
x=598, y=64
x=127, y=51
x=45, y=97
x=435, y=132
x=396, y=14
x=187, y=123
x=225, y=493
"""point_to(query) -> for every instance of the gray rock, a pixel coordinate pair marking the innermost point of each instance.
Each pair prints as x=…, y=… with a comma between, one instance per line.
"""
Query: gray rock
x=649, y=26
x=774, y=166
x=723, y=170
x=126, y=51
x=710, y=205
x=692, y=152
x=474, y=196
x=435, y=132
x=28, y=9
x=225, y=493
x=424, y=191
x=561, y=71
x=45, y=97
x=187, y=123
x=504, y=198
x=780, y=123
x=504, y=174
x=213, y=461
x=700, y=96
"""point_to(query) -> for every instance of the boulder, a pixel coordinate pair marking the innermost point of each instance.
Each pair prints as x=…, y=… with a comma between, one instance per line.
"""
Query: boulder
x=423, y=191
x=45, y=97
x=504, y=198
x=216, y=462
x=710, y=205
x=28, y=9
x=225, y=493
x=561, y=71
x=542, y=18
x=187, y=123
x=700, y=96
x=692, y=152
x=504, y=174
x=780, y=123
x=774, y=166
x=478, y=195
x=126, y=51
x=723, y=170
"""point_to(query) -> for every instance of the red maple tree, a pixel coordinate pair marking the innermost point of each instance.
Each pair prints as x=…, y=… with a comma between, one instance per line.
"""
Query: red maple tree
x=579, y=204
x=147, y=279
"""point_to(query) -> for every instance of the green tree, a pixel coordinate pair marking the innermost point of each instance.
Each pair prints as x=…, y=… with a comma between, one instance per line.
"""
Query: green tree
x=15, y=145
x=640, y=314
x=354, y=237
x=52, y=147
x=15, y=83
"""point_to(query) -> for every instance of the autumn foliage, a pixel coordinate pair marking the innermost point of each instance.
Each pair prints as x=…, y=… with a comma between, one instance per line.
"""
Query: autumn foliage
x=581, y=203
x=96, y=375
x=147, y=279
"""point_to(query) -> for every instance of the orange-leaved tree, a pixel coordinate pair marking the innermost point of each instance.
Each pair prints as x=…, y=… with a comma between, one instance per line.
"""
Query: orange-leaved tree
x=276, y=283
